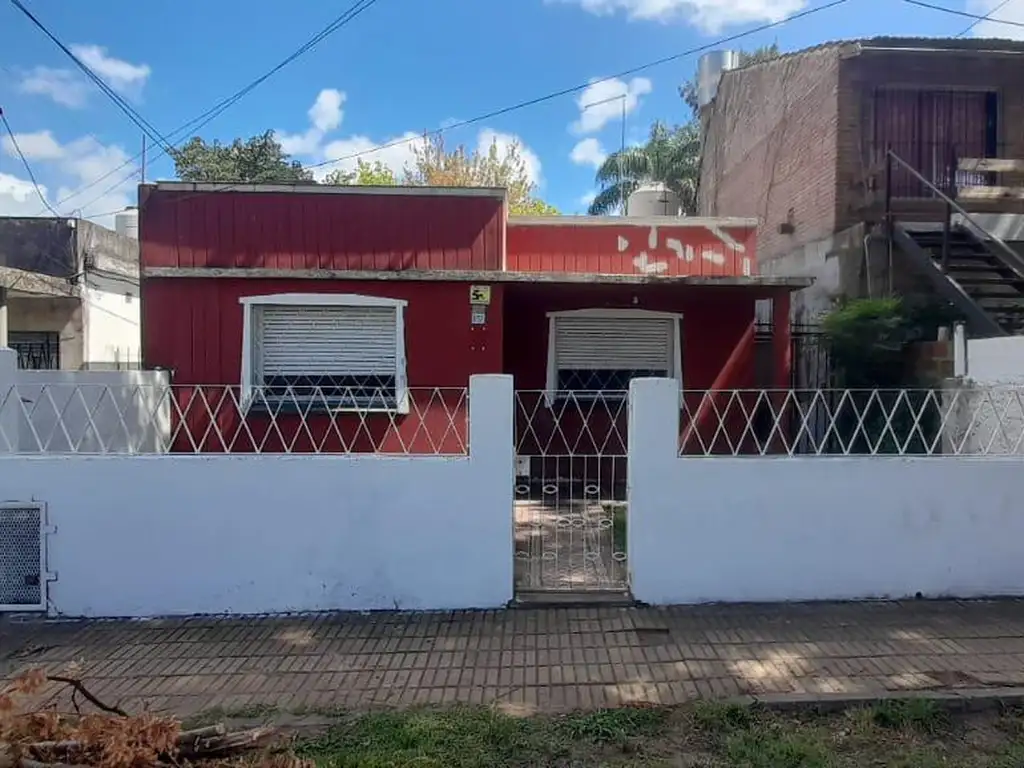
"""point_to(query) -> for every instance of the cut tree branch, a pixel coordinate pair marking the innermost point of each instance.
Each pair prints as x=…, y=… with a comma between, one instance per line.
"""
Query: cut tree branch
x=78, y=687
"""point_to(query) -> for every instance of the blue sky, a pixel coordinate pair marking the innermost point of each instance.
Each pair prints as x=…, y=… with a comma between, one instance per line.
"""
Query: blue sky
x=401, y=67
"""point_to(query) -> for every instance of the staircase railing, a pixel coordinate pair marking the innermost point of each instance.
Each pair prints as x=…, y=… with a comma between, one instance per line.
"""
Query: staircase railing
x=1009, y=256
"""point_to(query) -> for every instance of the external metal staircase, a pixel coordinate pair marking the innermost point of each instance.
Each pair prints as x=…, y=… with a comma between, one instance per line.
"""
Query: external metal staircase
x=971, y=268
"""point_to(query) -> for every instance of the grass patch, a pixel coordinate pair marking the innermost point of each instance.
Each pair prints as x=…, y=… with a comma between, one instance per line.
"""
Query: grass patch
x=618, y=512
x=711, y=735
x=922, y=715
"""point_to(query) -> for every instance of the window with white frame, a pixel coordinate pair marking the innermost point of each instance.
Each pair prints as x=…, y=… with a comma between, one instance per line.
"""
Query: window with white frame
x=324, y=351
x=592, y=352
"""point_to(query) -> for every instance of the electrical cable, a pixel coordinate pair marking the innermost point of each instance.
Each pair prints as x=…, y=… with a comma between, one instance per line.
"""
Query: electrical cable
x=988, y=17
x=965, y=14
x=224, y=104
x=554, y=94
x=132, y=114
x=24, y=161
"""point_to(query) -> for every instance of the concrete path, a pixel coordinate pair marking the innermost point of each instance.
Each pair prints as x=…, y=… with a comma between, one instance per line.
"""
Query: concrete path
x=529, y=660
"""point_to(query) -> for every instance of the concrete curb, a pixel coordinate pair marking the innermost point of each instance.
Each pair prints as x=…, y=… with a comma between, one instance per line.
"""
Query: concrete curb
x=956, y=700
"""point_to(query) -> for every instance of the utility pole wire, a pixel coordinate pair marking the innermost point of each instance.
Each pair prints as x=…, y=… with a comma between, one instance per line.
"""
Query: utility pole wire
x=24, y=161
x=224, y=104
x=987, y=17
x=133, y=115
x=976, y=16
x=555, y=94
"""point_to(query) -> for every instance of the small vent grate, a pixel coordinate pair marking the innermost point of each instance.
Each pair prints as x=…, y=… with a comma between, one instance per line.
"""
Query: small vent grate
x=21, y=556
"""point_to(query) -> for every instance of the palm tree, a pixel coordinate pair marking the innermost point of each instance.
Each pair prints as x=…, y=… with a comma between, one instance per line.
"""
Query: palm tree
x=671, y=156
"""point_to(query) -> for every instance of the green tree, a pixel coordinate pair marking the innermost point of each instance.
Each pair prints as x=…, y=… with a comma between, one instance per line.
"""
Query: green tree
x=374, y=174
x=500, y=166
x=688, y=90
x=256, y=160
x=670, y=156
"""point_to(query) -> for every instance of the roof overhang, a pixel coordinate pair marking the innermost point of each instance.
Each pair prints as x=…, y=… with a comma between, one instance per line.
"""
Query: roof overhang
x=480, y=276
x=325, y=189
x=631, y=221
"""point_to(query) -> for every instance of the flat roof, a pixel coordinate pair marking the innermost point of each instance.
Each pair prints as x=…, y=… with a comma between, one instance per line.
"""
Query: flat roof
x=632, y=221
x=326, y=189
x=480, y=276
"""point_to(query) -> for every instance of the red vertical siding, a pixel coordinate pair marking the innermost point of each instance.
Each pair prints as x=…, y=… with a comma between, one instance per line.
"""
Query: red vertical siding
x=194, y=328
x=631, y=249
x=320, y=230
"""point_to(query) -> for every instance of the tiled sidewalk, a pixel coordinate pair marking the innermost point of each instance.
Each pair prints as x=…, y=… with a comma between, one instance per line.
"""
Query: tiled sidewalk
x=527, y=660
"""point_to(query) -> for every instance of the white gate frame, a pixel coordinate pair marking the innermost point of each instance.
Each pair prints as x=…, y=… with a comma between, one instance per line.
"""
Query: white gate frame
x=45, y=576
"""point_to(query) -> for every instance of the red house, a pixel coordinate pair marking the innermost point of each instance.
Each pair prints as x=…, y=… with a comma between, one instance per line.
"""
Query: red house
x=351, y=318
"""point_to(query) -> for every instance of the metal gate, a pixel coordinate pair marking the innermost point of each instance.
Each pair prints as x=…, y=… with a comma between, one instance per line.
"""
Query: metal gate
x=23, y=575
x=570, y=506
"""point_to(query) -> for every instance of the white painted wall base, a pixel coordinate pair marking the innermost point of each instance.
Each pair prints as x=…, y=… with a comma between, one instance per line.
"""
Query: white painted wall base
x=172, y=534
x=816, y=528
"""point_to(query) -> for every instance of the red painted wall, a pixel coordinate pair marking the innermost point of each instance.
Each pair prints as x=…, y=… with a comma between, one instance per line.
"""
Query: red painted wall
x=630, y=249
x=194, y=328
x=714, y=321
x=341, y=230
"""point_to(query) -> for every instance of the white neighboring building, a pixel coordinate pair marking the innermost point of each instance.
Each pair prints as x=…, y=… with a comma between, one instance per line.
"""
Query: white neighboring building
x=72, y=294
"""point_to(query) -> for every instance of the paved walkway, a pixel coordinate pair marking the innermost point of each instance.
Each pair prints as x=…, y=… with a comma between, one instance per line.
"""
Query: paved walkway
x=528, y=660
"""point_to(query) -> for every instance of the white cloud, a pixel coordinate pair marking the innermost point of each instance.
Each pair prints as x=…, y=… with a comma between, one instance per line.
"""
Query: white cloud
x=710, y=16
x=70, y=167
x=35, y=146
x=602, y=101
x=396, y=157
x=70, y=89
x=61, y=85
x=121, y=75
x=1012, y=11
x=503, y=141
x=18, y=196
x=587, y=199
x=588, y=152
x=325, y=115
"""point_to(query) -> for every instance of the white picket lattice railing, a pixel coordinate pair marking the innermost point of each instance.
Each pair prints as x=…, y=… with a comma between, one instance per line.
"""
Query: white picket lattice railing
x=958, y=421
x=134, y=419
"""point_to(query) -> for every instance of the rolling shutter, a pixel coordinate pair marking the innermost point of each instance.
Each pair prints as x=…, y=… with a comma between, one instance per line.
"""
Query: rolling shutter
x=331, y=341
x=614, y=343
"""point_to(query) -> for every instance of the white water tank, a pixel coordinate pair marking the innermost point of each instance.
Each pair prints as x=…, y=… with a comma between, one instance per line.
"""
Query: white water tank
x=710, y=67
x=654, y=200
x=126, y=223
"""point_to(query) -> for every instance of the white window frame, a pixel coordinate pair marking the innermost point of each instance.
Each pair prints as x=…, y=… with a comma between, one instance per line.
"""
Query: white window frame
x=249, y=303
x=551, y=393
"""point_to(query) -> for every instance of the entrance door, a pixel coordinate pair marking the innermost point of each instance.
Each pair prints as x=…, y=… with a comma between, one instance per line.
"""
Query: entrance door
x=571, y=448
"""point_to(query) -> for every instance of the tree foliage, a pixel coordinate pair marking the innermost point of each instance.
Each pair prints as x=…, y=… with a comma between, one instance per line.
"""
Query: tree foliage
x=261, y=159
x=435, y=165
x=256, y=160
x=374, y=174
x=688, y=90
x=670, y=156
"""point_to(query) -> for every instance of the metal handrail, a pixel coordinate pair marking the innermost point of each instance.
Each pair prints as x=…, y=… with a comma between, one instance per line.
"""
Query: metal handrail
x=1017, y=262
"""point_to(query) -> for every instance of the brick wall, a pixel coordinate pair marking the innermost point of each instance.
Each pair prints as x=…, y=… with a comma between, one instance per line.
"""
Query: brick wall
x=861, y=75
x=771, y=147
x=796, y=134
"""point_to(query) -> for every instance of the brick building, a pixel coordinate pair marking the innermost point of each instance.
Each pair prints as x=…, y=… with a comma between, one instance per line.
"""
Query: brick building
x=801, y=142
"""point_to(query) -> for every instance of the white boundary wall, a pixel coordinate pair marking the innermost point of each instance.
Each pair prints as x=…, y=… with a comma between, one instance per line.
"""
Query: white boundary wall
x=818, y=528
x=186, y=534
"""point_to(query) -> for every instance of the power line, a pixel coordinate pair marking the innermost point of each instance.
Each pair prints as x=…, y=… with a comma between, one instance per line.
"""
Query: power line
x=220, y=107
x=132, y=114
x=976, y=16
x=24, y=161
x=987, y=17
x=557, y=94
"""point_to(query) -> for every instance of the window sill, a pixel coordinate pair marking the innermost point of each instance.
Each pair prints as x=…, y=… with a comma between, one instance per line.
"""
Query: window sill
x=291, y=408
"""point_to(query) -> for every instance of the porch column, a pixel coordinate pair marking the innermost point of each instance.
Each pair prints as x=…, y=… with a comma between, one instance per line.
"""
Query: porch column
x=782, y=348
